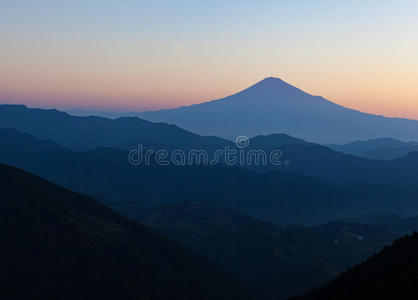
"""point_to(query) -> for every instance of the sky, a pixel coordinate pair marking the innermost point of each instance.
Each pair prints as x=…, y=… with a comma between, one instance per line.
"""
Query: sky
x=141, y=55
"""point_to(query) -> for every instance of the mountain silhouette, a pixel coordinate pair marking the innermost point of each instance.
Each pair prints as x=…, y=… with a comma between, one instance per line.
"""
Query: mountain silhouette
x=85, y=133
x=90, y=132
x=106, y=175
x=62, y=245
x=343, y=169
x=274, y=106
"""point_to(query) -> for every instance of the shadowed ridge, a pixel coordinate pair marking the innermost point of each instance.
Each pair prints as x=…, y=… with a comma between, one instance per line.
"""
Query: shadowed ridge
x=85, y=133
x=62, y=245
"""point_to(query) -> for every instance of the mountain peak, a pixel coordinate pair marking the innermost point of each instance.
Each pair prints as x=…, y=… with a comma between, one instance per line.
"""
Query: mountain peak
x=272, y=78
x=274, y=85
x=272, y=81
x=273, y=105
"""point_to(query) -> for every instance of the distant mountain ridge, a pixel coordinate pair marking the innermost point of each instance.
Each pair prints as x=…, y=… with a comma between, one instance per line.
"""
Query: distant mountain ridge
x=86, y=133
x=384, y=148
x=272, y=106
x=106, y=175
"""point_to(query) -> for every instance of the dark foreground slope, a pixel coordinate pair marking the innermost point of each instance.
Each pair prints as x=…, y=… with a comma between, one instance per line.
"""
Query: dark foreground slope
x=276, y=261
x=391, y=274
x=57, y=244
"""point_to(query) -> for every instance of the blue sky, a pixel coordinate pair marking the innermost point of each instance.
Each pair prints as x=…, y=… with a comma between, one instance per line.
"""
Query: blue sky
x=151, y=54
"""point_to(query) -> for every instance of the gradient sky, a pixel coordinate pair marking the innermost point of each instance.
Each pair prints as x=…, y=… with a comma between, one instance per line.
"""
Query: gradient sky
x=137, y=55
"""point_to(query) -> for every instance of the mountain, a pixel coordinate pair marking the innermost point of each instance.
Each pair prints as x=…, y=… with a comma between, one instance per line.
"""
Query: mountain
x=343, y=169
x=298, y=156
x=390, y=274
x=86, y=133
x=107, y=175
x=273, y=106
x=384, y=149
x=82, y=133
x=60, y=245
x=277, y=261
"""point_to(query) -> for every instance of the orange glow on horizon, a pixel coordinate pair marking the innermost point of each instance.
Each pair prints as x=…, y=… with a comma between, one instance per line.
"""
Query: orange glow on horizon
x=68, y=55
x=130, y=96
